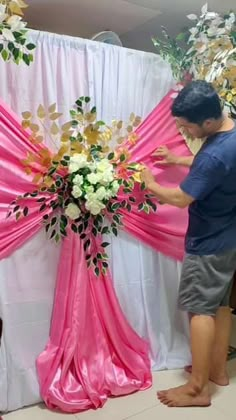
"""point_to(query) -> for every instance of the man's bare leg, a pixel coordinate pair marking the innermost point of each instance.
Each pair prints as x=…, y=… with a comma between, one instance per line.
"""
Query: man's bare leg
x=196, y=391
x=218, y=370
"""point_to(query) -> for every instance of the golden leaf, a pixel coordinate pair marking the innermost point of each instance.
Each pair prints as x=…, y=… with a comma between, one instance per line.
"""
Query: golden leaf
x=106, y=149
x=37, y=178
x=133, y=138
x=25, y=124
x=132, y=117
x=80, y=118
x=76, y=148
x=52, y=108
x=67, y=126
x=63, y=150
x=41, y=112
x=137, y=121
x=65, y=137
x=48, y=181
x=38, y=139
x=129, y=129
x=34, y=128
x=26, y=115
x=15, y=9
x=54, y=129
x=119, y=125
x=120, y=140
x=55, y=115
x=46, y=162
x=91, y=117
x=28, y=171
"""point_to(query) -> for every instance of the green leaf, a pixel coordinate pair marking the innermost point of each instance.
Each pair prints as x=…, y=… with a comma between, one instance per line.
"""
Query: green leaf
x=122, y=158
x=64, y=163
x=51, y=171
x=57, y=238
x=87, y=99
x=41, y=200
x=47, y=227
x=4, y=54
x=87, y=245
x=74, y=228
x=45, y=217
x=67, y=158
x=97, y=271
x=1, y=47
x=132, y=199
x=93, y=110
x=80, y=228
x=30, y=47
x=115, y=206
x=26, y=59
x=64, y=220
x=83, y=236
x=105, y=244
x=115, y=231
x=105, y=230
x=140, y=207
x=16, y=209
x=53, y=221
x=105, y=264
x=26, y=211
x=79, y=103
x=94, y=231
x=11, y=46
x=128, y=207
x=88, y=257
x=116, y=218
x=53, y=234
x=111, y=156
x=143, y=186
x=43, y=207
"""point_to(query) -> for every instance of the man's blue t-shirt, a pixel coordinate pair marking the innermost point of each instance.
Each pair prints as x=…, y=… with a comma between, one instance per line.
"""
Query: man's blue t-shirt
x=212, y=182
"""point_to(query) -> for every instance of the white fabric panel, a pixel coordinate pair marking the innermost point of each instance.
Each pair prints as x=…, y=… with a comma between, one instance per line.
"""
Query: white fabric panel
x=120, y=81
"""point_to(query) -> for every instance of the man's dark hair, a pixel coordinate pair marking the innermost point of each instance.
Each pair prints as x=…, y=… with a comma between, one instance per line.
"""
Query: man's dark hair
x=197, y=102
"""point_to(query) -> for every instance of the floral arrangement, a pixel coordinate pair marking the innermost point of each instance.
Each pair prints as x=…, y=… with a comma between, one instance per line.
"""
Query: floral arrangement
x=77, y=186
x=14, y=43
x=207, y=51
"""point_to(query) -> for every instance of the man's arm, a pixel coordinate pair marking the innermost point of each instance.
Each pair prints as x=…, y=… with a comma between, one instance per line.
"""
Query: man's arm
x=173, y=196
x=168, y=158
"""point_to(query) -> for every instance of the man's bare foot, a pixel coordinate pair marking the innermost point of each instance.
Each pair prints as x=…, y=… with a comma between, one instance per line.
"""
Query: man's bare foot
x=221, y=380
x=185, y=396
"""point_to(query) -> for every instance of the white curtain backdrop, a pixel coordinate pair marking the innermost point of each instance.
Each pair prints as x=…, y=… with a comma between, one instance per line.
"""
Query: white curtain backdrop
x=119, y=81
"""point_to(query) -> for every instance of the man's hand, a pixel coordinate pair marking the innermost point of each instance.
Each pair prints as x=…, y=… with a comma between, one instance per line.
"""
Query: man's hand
x=147, y=177
x=167, y=158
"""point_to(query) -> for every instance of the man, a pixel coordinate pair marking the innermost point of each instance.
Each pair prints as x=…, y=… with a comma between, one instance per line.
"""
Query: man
x=210, y=261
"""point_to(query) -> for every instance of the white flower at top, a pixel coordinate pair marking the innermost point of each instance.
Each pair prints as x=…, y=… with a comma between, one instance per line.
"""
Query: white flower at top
x=72, y=211
x=77, y=161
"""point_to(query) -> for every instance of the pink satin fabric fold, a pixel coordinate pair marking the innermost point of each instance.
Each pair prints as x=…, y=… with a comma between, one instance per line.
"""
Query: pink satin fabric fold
x=164, y=230
x=92, y=352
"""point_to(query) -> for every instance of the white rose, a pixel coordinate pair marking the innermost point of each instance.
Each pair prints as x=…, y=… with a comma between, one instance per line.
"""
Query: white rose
x=106, y=177
x=72, y=211
x=89, y=189
x=94, y=206
x=78, y=161
x=102, y=193
x=78, y=180
x=104, y=166
x=76, y=191
x=15, y=23
x=94, y=178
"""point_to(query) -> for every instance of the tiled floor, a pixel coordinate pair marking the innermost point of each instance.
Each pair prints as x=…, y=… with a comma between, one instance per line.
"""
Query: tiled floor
x=144, y=405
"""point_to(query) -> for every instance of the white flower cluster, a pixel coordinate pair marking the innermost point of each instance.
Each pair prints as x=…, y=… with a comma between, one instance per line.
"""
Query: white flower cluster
x=96, y=186
x=14, y=22
x=211, y=46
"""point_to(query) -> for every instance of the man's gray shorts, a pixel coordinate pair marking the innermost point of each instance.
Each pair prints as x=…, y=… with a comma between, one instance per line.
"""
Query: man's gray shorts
x=206, y=282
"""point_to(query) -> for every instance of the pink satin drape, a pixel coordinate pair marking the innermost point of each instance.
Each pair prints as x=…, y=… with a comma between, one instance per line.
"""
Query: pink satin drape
x=92, y=352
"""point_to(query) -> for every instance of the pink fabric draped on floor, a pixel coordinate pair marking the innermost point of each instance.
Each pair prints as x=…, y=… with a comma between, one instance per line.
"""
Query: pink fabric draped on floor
x=92, y=351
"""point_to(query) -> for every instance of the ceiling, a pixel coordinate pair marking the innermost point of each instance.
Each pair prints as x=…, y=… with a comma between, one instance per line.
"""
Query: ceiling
x=134, y=20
